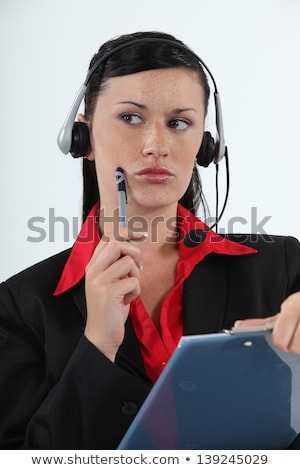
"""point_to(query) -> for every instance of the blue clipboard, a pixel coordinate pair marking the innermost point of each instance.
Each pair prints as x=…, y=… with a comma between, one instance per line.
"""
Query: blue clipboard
x=231, y=390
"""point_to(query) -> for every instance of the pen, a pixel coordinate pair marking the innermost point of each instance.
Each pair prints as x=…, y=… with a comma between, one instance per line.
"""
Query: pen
x=122, y=196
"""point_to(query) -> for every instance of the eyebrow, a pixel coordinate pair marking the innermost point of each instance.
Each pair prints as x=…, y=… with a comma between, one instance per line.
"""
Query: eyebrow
x=142, y=106
x=182, y=110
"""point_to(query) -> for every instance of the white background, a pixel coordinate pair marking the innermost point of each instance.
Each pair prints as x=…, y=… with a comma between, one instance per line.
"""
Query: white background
x=252, y=48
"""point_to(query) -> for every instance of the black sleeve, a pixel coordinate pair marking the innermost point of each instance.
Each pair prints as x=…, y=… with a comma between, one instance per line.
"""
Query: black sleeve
x=90, y=407
x=292, y=251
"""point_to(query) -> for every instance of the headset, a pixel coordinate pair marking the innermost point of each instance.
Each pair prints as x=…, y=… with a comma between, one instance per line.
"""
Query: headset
x=74, y=136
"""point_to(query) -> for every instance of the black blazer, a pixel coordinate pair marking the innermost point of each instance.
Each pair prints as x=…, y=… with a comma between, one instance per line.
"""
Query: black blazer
x=57, y=391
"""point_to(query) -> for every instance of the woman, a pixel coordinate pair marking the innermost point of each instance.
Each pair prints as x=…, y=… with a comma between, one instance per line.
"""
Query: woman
x=87, y=332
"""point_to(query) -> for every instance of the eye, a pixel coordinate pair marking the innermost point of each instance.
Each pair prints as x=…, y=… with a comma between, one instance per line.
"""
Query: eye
x=131, y=118
x=178, y=124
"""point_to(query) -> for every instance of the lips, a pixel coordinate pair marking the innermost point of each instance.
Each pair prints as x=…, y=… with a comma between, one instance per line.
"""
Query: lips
x=155, y=174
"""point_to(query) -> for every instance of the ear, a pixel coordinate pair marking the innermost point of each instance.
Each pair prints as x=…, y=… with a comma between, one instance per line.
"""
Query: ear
x=89, y=154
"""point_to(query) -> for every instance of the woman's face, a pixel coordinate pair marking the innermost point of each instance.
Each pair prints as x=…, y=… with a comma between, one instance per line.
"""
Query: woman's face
x=150, y=124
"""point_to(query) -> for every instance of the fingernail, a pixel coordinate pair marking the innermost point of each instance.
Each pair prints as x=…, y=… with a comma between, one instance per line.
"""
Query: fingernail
x=237, y=323
x=140, y=234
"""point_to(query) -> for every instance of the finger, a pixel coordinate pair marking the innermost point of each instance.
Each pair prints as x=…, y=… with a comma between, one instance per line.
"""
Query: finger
x=130, y=288
x=255, y=321
x=120, y=291
x=123, y=267
x=286, y=333
x=125, y=235
x=289, y=340
x=107, y=253
x=294, y=344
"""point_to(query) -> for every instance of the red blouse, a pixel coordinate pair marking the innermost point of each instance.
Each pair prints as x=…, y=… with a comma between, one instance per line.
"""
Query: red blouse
x=195, y=242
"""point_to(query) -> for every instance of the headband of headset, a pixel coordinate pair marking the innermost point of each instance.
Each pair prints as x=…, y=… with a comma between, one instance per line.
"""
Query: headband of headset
x=211, y=150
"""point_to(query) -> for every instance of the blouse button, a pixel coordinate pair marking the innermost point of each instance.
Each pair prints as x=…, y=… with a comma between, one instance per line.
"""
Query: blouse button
x=129, y=408
x=163, y=365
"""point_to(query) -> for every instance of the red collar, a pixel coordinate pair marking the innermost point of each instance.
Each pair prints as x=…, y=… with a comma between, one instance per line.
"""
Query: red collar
x=196, y=240
x=81, y=253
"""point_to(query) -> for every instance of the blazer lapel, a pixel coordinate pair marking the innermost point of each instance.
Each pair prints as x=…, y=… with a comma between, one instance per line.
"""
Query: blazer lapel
x=204, y=297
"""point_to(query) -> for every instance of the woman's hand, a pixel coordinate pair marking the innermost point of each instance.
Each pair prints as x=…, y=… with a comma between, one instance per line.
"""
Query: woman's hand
x=112, y=282
x=286, y=331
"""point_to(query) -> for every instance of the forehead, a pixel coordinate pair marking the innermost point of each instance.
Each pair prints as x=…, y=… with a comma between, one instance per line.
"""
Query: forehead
x=178, y=83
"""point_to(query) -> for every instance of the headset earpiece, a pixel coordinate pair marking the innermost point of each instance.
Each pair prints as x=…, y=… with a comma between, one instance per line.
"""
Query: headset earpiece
x=207, y=151
x=80, y=140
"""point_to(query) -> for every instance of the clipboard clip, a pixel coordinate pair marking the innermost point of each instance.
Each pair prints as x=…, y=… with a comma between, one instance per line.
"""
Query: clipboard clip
x=250, y=329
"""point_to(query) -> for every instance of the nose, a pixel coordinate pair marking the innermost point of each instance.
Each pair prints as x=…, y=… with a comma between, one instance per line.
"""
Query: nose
x=156, y=142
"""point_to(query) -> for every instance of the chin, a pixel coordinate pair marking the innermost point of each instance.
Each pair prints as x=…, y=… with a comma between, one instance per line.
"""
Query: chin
x=154, y=197
x=157, y=203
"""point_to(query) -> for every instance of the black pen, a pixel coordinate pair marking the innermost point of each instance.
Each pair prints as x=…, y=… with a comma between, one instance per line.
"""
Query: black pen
x=122, y=196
